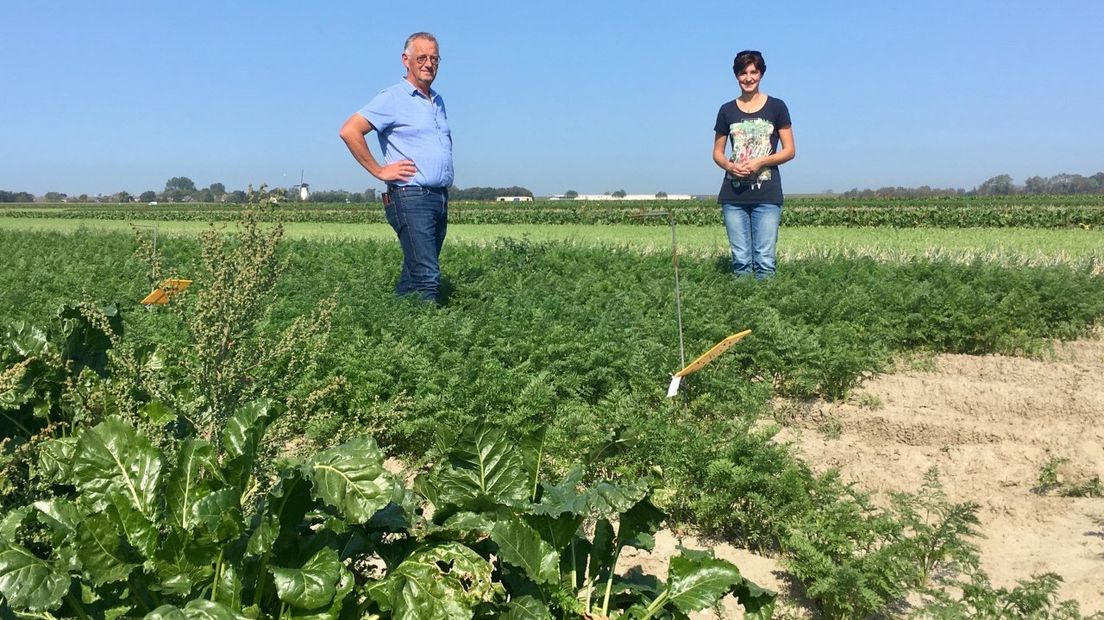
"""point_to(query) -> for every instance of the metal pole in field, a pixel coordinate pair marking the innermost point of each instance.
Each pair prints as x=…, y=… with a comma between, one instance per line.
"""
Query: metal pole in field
x=678, y=291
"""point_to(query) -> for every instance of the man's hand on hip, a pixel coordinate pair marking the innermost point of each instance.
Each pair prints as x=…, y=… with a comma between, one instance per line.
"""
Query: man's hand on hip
x=399, y=171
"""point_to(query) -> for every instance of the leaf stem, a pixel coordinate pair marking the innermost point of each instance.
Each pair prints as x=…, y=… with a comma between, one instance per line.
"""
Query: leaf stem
x=609, y=581
x=657, y=604
x=218, y=575
x=76, y=607
x=589, y=587
x=262, y=571
x=574, y=570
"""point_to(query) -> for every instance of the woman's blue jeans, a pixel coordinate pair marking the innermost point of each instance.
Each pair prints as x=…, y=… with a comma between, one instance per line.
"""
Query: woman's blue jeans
x=419, y=216
x=752, y=236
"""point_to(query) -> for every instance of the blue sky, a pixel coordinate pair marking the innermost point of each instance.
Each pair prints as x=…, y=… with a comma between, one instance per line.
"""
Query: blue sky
x=591, y=96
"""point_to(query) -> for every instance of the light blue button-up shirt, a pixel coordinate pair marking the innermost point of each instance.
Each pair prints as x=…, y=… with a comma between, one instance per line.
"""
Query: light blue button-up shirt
x=415, y=128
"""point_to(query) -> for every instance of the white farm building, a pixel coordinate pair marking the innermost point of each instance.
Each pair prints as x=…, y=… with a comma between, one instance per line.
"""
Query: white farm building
x=625, y=197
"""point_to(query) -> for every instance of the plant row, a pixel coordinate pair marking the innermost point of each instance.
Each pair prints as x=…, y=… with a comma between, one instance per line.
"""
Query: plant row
x=959, y=213
x=961, y=202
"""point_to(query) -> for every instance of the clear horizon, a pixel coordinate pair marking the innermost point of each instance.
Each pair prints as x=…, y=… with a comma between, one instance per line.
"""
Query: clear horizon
x=592, y=97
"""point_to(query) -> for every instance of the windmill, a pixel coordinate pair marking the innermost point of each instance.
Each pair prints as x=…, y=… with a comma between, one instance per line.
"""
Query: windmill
x=302, y=189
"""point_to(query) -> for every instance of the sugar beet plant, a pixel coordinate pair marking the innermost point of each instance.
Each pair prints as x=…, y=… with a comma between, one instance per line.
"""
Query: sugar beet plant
x=133, y=530
x=125, y=506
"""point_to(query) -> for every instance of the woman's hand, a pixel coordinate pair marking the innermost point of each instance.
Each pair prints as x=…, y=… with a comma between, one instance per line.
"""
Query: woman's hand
x=746, y=169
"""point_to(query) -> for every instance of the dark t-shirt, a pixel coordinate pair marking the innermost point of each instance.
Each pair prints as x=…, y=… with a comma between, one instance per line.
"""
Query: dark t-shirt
x=752, y=135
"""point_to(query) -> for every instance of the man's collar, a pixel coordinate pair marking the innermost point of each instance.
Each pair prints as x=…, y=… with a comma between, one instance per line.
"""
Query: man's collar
x=413, y=90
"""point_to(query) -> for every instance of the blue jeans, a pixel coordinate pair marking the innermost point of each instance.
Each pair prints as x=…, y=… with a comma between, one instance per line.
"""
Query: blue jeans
x=419, y=216
x=752, y=236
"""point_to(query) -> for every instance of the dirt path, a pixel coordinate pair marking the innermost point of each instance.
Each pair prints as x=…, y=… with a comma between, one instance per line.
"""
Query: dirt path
x=989, y=424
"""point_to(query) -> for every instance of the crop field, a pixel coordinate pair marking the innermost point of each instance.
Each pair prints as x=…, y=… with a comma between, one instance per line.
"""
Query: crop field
x=532, y=403
x=1085, y=211
x=1042, y=229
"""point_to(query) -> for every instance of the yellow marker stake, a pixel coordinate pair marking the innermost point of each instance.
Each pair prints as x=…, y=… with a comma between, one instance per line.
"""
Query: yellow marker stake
x=705, y=358
x=168, y=288
x=712, y=354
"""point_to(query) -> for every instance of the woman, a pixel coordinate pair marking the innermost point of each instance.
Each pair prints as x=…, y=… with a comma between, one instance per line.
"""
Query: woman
x=751, y=195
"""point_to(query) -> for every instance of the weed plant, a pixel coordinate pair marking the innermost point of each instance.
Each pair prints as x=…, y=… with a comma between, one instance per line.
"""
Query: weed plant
x=1054, y=480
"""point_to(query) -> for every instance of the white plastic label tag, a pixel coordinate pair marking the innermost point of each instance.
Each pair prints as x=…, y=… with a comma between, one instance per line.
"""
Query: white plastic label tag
x=673, y=388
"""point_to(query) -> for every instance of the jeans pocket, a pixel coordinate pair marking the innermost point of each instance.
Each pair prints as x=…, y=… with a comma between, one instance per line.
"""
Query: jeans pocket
x=390, y=212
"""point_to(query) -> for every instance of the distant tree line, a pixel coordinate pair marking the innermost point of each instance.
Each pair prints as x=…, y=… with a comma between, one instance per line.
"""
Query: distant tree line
x=342, y=196
x=183, y=189
x=177, y=189
x=1000, y=185
x=486, y=193
x=1057, y=184
x=923, y=191
x=16, y=196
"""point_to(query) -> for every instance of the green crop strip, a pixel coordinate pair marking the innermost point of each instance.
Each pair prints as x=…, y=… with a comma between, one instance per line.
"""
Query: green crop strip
x=959, y=212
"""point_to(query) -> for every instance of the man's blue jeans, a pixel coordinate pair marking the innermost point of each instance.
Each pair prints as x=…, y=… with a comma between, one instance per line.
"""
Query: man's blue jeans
x=752, y=236
x=419, y=216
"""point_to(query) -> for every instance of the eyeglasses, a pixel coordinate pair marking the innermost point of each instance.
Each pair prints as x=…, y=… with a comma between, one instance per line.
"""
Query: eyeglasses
x=423, y=59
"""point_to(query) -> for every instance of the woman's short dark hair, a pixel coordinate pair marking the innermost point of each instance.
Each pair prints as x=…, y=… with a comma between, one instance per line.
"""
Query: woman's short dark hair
x=748, y=57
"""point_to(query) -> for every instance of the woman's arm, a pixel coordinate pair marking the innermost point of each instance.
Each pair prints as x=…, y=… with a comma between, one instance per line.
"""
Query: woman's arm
x=719, y=154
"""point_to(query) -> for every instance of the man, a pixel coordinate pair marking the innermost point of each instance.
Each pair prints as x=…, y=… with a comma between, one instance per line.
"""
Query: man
x=414, y=137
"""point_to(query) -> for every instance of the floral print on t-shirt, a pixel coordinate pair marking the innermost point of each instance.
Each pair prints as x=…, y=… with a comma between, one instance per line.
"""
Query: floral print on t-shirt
x=751, y=138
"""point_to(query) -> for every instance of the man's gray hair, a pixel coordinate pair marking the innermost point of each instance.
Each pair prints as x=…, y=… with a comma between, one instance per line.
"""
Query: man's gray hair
x=417, y=35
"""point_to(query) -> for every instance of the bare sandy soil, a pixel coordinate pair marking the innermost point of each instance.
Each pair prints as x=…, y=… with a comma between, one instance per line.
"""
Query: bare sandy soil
x=989, y=424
